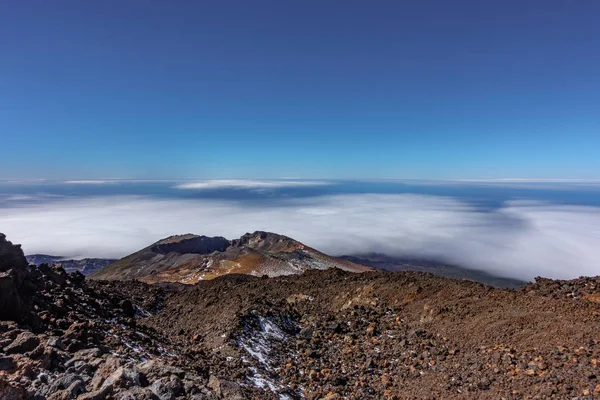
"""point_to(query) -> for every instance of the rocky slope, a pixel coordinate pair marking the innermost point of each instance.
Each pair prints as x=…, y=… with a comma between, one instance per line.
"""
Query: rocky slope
x=189, y=259
x=64, y=338
x=325, y=334
x=389, y=263
x=86, y=266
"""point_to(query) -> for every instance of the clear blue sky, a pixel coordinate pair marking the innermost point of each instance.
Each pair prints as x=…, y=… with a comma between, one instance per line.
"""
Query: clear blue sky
x=319, y=89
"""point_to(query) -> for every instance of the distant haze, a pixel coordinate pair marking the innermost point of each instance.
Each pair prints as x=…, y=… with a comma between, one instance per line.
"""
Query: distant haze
x=520, y=239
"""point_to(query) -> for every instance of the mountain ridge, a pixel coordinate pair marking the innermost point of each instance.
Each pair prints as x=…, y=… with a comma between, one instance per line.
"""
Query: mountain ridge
x=384, y=262
x=191, y=258
x=86, y=266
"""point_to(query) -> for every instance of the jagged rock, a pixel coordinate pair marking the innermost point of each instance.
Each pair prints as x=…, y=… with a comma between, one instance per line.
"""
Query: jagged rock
x=23, y=343
x=136, y=393
x=99, y=394
x=55, y=273
x=15, y=293
x=11, y=256
x=75, y=388
x=125, y=377
x=10, y=392
x=153, y=369
x=64, y=382
x=128, y=309
x=167, y=388
x=7, y=363
x=226, y=389
x=87, y=354
x=191, y=244
x=77, y=278
x=105, y=370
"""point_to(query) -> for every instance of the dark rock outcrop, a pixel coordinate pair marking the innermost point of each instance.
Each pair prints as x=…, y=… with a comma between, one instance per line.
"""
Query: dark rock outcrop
x=191, y=244
x=267, y=241
x=16, y=292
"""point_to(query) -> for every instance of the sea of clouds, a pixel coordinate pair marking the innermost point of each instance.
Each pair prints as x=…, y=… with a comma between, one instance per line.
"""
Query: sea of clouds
x=519, y=240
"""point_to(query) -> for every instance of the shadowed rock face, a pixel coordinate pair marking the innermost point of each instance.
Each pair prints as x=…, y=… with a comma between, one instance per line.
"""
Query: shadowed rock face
x=191, y=245
x=267, y=241
x=11, y=256
x=15, y=291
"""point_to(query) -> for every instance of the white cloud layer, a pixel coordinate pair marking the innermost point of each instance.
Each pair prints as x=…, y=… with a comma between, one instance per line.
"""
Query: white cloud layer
x=521, y=240
x=91, y=182
x=246, y=184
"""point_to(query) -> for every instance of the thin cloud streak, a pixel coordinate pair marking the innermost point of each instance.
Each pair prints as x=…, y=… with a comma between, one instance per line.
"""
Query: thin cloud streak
x=520, y=240
x=246, y=184
x=91, y=182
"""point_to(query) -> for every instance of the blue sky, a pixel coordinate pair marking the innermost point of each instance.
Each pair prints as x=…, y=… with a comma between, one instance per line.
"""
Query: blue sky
x=309, y=89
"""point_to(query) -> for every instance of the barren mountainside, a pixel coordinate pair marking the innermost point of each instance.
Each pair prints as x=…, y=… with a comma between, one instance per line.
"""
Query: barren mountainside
x=191, y=258
x=323, y=334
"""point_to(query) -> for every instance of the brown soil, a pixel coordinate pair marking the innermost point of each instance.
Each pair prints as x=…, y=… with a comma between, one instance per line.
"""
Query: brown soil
x=400, y=335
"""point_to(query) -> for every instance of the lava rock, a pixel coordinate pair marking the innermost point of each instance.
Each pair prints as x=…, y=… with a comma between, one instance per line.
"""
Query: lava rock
x=25, y=342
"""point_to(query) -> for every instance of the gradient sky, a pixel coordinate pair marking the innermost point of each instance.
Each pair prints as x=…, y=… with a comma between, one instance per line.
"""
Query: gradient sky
x=311, y=89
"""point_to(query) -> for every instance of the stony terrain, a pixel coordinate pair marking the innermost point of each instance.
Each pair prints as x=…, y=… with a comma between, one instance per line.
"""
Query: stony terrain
x=325, y=334
x=62, y=338
x=190, y=258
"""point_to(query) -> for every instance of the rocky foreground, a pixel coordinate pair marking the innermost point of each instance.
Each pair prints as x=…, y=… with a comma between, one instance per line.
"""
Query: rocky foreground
x=321, y=335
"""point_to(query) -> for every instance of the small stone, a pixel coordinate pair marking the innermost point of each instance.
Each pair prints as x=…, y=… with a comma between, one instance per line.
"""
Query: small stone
x=371, y=329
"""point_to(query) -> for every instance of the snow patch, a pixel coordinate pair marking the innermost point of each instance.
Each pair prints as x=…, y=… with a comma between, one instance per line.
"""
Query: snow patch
x=260, y=337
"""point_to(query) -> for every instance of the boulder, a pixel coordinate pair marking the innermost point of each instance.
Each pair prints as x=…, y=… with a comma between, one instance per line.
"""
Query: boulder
x=54, y=273
x=167, y=388
x=136, y=393
x=11, y=256
x=9, y=392
x=99, y=394
x=24, y=342
x=105, y=370
x=226, y=389
x=15, y=293
x=7, y=363
x=128, y=308
x=125, y=377
x=154, y=369
x=76, y=388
